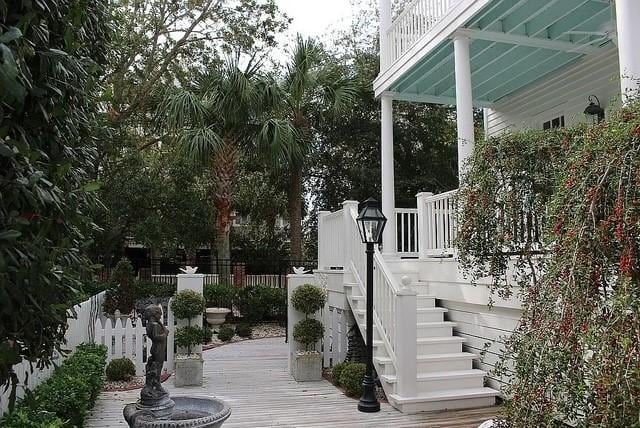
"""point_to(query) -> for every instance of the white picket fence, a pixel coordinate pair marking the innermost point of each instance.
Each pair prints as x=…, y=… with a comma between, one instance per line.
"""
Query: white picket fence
x=128, y=338
x=270, y=280
x=80, y=330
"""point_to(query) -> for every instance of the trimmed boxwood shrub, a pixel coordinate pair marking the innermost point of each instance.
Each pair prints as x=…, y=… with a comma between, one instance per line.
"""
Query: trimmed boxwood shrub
x=120, y=369
x=336, y=371
x=226, y=333
x=351, y=377
x=262, y=303
x=220, y=295
x=67, y=395
x=187, y=304
x=308, y=331
x=308, y=299
x=207, y=335
x=190, y=336
x=243, y=330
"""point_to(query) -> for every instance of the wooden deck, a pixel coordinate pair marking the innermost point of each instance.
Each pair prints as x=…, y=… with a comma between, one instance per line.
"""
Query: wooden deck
x=252, y=377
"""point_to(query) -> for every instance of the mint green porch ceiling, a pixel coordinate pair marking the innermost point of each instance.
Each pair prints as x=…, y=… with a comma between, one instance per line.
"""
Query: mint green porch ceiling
x=506, y=54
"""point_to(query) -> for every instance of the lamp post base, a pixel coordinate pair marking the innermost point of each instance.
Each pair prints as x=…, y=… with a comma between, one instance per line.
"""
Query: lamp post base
x=368, y=402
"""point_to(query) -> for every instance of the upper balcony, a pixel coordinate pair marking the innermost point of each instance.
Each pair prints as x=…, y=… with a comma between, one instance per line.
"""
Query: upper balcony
x=513, y=44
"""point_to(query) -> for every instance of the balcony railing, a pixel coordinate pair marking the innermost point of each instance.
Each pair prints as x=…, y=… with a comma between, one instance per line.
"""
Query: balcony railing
x=417, y=18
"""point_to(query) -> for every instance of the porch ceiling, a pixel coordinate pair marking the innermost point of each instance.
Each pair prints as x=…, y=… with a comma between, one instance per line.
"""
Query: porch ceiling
x=515, y=43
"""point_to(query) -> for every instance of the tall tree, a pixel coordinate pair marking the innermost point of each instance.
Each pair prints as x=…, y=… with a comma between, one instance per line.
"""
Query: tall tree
x=50, y=59
x=214, y=122
x=313, y=86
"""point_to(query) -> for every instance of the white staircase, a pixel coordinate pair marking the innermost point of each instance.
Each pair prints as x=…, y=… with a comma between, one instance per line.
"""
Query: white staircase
x=419, y=360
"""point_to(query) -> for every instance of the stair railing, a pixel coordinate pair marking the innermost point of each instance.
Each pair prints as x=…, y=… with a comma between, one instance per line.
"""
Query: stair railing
x=394, y=307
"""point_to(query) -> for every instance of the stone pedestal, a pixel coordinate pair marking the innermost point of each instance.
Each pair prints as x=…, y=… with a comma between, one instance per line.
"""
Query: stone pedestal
x=188, y=371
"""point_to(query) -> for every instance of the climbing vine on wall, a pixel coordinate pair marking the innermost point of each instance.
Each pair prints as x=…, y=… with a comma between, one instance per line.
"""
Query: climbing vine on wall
x=575, y=356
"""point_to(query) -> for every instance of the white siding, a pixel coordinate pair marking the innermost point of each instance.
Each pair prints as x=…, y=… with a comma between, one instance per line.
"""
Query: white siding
x=562, y=93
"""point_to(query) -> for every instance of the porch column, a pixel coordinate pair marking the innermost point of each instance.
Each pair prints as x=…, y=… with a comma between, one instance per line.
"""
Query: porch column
x=627, y=18
x=388, y=192
x=384, y=9
x=464, y=100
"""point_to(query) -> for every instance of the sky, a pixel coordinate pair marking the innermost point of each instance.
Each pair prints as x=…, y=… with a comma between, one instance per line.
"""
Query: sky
x=315, y=17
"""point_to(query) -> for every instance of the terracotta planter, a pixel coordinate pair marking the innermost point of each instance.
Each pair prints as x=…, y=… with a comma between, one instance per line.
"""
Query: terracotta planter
x=216, y=316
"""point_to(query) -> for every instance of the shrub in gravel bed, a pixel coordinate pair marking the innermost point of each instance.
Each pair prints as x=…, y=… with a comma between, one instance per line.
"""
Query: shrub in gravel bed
x=336, y=371
x=120, y=369
x=226, y=333
x=243, y=330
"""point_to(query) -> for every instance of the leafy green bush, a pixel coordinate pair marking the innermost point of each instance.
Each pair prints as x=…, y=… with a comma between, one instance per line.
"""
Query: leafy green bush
x=220, y=295
x=351, y=377
x=336, y=371
x=68, y=394
x=187, y=304
x=243, y=330
x=122, y=294
x=262, y=303
x=120, y=369
x=145, y=289
x=190, y=336
x=207, y=335
x=226, y=333
x=308, y=332
x=308, y=299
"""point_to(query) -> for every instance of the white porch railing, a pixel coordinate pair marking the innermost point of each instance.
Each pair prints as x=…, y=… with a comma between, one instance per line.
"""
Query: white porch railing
x=438, y=228
x=331, y=239
x=407, y=235
x=417, y=18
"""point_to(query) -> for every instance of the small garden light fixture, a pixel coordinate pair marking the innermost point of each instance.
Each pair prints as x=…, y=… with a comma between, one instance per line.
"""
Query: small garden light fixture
x=594, y=110
x=371, y=222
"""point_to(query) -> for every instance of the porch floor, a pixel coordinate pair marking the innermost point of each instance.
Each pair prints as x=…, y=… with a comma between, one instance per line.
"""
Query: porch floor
x=252, y=377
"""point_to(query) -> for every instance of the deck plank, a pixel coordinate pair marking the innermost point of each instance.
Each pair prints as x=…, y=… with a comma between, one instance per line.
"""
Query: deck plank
x=252, y=377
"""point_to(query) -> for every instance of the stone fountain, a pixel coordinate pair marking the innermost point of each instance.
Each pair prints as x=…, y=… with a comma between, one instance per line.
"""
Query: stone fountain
x=155, y=408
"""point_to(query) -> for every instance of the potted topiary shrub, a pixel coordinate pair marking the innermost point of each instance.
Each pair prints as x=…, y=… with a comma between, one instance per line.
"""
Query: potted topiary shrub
x=307, y=364
x=219, y=299
x=188, y=305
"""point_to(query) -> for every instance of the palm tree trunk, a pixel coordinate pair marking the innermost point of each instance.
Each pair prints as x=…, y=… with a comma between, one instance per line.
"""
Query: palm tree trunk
x=295, y=211
x=224, y=171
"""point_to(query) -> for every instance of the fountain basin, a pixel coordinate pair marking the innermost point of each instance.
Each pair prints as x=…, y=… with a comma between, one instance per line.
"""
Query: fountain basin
x=189, y=411
x=216, y=316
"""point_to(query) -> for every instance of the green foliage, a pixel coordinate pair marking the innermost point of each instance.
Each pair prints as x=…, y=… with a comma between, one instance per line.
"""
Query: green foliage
x=67, y=395
x=122, y=295
x=226, y=333
x=220, y=295
x=145, y=289
x=207, y=335
x=574, y=354
x=308, y=299
x=308, y=331
x=336, y=371
x=120, y=369
x=187, y=304
x=351, y=377
x=243, y=330
x=262, y=303
x=190, y=336
x=50, y=62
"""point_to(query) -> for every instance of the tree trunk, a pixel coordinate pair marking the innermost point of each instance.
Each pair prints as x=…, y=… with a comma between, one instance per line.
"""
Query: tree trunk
x=295, y=212
x=225, y=163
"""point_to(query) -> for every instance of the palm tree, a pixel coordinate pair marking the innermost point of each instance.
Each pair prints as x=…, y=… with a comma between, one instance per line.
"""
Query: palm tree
x=312, y=86
x=214, y=122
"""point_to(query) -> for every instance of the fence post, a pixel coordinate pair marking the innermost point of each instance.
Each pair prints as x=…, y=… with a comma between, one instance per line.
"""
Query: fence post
x=423, y=224
x=348, y=207
x=323, y=246
x=406, y=341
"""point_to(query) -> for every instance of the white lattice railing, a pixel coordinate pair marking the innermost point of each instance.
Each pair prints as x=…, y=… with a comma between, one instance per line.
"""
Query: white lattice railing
x=438, y=227
x=417, y=18
x=407, y=231
x=331, y=239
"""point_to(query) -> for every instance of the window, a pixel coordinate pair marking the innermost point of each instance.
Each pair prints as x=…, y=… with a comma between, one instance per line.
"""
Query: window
x=557, y=122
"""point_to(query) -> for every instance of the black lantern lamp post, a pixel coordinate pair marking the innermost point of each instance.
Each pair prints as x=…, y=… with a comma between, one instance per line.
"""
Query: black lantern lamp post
x=371, y=224
x=594, y=110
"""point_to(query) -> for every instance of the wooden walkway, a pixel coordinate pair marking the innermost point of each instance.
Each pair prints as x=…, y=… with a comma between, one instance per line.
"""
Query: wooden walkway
x=252, y=377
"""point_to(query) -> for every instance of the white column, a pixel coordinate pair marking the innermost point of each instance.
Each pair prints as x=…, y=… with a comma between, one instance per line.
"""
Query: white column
x=348, y=209
x=628, y=17
x=424, y=225
x=388, y=192
x=324, y=242
x=384, y=10
x=464, y=100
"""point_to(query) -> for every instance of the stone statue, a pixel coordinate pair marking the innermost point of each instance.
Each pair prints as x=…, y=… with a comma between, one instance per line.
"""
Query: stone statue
x=153, y=390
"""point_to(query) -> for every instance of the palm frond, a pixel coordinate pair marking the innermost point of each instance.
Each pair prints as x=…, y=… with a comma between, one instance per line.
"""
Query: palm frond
x=279, y=141
x=182, y=108
x=199, y=144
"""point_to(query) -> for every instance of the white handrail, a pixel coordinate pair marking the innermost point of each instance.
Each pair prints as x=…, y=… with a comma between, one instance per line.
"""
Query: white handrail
x=330, y=239
x=417, y=18
x=408, y=231
x=440, y=227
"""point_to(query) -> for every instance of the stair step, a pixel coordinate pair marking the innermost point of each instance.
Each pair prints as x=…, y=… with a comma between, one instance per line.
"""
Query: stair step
x=435, y=345
x=433, y=363
x=447, y=399
x=441, y=381
x=424, y=301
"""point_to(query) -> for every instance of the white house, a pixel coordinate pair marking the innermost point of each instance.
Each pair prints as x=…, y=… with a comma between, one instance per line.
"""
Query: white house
x=528, y=64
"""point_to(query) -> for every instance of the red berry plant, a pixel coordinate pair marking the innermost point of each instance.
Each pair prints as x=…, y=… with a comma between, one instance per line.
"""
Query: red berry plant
x=554, y=217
